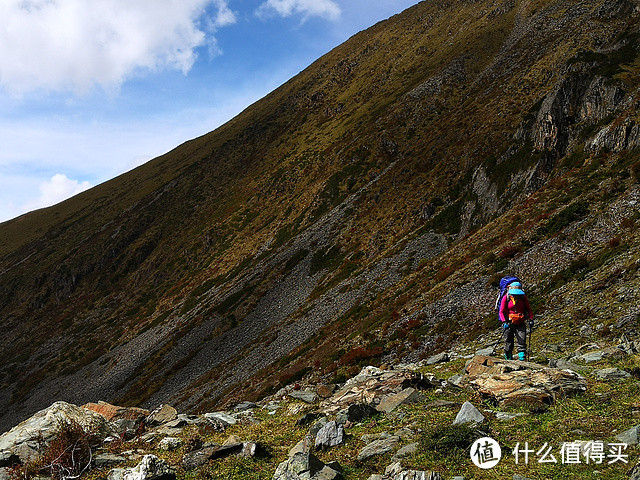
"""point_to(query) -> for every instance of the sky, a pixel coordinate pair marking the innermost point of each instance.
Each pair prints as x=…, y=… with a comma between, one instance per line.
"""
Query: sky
x=92, y=89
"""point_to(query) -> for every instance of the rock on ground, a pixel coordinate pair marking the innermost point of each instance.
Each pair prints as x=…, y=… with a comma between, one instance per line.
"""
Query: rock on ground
x=630, y=436
x=468, y=414
x=611, y=374
x=199, y=457
x=162, y=414
x=331, y=435
x=391, y=402
x=305, y=466
x=150, y=468
x=379, y=447
x=512, y=382
x=372, y=384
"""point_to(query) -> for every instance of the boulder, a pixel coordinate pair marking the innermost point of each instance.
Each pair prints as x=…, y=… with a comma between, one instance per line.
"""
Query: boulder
x=305, y=466
x=372, y=384
x=221, y=417
x=468, y=414
x=406, y=396
x=200, y=457
x=488, y=351
x=316, y=427
x=367, y=438
x=564, y=364
x=114, y=412
x=356, y=413
x=379, y=447
x=630, y=436
x=150, y=468
x=439, y=358
x=303, y=446
x=331, y=435
x=161, y=415
x=611, y=374
x=116, y=474
x=170, y=443
x=244, y=406
x=457, y=380
x=27, y=439
x=107, y=460
x=304, y=396
x=592, y=357
x=513, y=382
x=328, y=473
x=409, y=449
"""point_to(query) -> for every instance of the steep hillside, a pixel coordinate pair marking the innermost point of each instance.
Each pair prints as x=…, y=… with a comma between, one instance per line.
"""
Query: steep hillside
x=360, y=213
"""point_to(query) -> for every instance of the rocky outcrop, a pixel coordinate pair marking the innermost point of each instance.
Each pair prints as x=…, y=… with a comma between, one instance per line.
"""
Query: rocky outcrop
x=29, y=438
x=373, y=385
x=616, y=138
x=512, y=382
x=575, y=100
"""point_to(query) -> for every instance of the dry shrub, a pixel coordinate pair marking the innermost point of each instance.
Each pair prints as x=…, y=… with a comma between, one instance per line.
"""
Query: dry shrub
x=66, y=457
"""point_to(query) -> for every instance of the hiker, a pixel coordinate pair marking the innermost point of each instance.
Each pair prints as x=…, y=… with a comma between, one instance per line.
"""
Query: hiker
x=514, y=313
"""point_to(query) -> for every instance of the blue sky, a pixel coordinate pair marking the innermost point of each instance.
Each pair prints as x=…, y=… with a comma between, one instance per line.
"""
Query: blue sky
x=91, y=89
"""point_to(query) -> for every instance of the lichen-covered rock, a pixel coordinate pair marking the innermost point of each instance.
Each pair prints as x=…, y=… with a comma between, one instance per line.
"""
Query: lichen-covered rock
x=512, y=382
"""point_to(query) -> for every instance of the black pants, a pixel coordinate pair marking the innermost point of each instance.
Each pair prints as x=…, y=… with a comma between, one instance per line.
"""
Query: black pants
x=517, y=332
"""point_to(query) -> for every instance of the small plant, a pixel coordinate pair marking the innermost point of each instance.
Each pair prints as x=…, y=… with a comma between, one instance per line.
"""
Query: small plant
x=193, y=440
x=450, y=440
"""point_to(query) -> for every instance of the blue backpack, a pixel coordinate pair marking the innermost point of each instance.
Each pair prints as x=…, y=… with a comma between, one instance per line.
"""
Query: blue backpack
x=504, y=284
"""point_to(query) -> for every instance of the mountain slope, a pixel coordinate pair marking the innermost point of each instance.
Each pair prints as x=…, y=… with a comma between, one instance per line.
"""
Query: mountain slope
x=344, y=216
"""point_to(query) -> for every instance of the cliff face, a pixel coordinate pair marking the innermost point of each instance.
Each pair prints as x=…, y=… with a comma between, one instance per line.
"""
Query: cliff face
x=359, y=212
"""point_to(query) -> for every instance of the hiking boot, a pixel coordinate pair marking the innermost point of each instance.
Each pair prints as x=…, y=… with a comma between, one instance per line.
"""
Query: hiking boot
x=508, y=356
x=521, y=356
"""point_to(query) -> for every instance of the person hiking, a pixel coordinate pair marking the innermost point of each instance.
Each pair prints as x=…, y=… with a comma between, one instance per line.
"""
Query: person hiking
x=514, y=313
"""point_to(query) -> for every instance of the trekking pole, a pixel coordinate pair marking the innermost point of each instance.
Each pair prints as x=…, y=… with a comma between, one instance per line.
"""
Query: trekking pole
x=529, y=341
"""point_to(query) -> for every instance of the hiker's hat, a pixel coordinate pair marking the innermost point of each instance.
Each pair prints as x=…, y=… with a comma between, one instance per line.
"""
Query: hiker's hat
x=515, y=288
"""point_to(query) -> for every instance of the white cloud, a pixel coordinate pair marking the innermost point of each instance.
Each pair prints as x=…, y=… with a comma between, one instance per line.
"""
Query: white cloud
x=64, y=45
x=55, y=190
x=307, y=8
